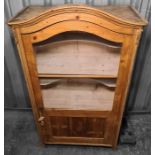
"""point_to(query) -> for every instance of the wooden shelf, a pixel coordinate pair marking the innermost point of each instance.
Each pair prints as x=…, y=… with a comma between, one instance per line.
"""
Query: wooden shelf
x=75, y=76
x=47, y=82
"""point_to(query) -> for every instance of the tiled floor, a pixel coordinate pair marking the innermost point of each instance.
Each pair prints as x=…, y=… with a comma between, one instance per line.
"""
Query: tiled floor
x=21, y=138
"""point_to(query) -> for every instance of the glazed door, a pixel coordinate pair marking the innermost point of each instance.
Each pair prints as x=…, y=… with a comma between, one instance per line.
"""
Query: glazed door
x=77, y=75
x=76, y=84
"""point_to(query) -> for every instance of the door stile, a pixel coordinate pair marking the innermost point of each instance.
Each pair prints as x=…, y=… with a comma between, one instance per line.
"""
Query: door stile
x=124, y=77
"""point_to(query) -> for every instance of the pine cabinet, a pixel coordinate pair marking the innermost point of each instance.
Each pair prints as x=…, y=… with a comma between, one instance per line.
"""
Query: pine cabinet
x=78, y=61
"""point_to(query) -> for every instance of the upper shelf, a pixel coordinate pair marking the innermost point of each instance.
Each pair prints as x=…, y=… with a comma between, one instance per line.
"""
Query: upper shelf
x=123, y=14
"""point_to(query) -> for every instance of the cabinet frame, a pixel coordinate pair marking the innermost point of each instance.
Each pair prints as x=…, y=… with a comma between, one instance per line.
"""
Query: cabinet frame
x=83, y=19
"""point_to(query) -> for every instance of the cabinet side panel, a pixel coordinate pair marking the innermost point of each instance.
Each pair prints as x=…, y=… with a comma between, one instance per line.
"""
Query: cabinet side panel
x=125, y=72
x=21, y=49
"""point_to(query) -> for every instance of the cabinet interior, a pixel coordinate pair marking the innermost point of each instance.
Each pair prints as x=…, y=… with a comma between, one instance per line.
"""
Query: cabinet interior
x=77, y=53
x=78, y=93
x=77, y=71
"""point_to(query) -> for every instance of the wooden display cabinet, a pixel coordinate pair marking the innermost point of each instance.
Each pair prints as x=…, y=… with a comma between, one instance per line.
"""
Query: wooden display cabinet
x=77, y=61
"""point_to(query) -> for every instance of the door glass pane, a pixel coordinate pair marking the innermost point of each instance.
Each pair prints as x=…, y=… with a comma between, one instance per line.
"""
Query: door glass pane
x=78, y=94
x=77, y=54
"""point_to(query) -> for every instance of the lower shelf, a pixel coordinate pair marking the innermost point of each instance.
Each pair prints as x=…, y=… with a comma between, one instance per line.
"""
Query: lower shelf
x=78, y=94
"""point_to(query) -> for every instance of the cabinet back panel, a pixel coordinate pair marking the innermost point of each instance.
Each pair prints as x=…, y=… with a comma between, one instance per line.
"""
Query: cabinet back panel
x=87, y=94
x=78, y=57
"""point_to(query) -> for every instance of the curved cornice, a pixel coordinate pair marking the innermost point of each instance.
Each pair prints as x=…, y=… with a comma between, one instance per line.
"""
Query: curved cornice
x=76, y=9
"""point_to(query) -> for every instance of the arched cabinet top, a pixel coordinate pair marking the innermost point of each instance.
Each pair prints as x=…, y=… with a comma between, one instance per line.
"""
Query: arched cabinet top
x=121, y=19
